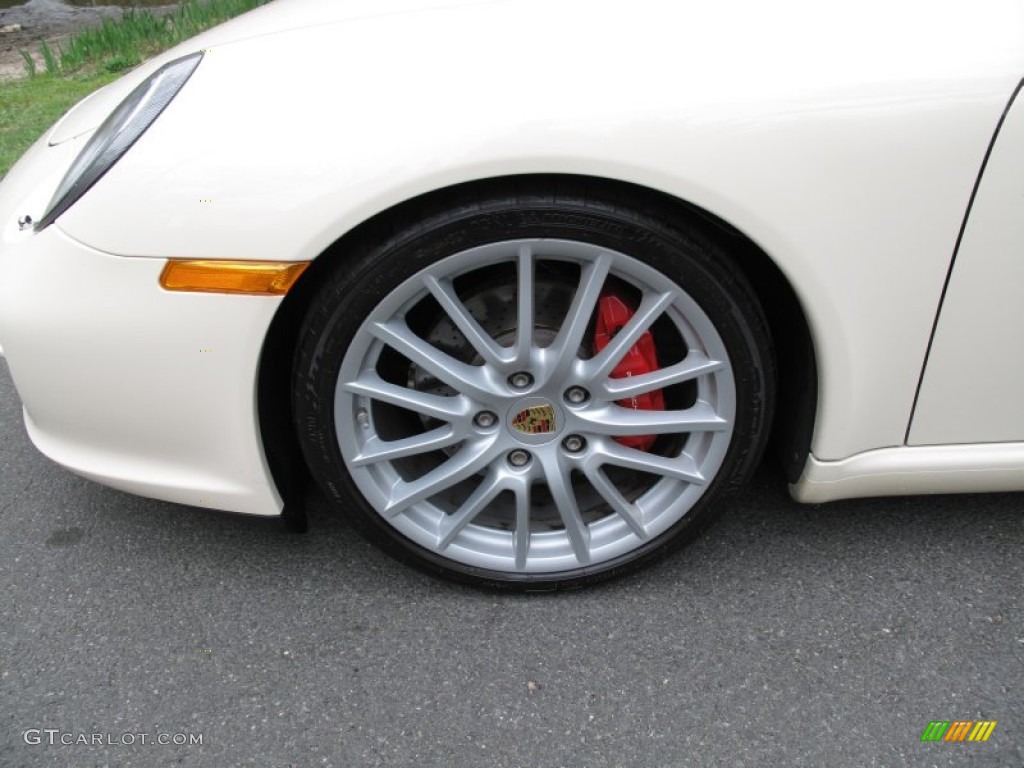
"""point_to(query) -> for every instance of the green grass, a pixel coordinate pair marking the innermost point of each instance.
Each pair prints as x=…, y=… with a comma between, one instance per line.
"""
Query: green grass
x=93, y=58
x=29, y=107
x=119, y=44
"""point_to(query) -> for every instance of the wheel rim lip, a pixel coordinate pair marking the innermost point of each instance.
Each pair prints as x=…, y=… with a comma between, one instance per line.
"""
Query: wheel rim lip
x=479, y=546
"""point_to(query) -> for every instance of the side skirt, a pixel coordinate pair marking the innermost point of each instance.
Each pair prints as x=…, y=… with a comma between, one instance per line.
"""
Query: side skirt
x=913, y=470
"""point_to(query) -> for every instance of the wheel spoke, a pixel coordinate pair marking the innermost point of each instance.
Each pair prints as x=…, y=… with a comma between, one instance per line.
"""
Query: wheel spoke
x=465, y=378
x=375, y=449
x=469, y=460
x=623, y=508
x=372, y=385
x=560, y=484
x=481, y=341
x=428, y=423
x=615, y=420
x=695, y=365
x=477, y=501
x=524, y=304
x=681, y=467
x=570, y=336
x=651, y=308
x=521, y=543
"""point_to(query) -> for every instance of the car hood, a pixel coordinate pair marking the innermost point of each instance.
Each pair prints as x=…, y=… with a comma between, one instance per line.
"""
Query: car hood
x=275, y=18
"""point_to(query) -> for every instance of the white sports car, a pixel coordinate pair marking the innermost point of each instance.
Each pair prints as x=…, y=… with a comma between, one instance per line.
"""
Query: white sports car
x=527, y=286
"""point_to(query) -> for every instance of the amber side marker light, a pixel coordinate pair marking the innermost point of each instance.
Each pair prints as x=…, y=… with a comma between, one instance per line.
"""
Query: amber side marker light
x=255, y=278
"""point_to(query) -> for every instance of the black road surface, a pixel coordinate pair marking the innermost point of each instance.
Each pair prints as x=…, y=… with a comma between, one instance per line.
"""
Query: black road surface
x=787, y=636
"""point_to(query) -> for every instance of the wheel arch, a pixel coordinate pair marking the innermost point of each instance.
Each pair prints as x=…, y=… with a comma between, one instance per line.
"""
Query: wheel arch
x=790, y=330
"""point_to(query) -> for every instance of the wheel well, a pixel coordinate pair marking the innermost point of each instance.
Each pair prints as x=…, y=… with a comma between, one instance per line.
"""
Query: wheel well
x=797, y=386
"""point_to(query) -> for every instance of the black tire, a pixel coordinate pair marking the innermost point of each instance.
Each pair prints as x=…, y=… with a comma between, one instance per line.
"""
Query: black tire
x=374, y=263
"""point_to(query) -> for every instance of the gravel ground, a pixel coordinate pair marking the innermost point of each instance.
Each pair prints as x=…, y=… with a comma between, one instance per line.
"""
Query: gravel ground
x=788, y=636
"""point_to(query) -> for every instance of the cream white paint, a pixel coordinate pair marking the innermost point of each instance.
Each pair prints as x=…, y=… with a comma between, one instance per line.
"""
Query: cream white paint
x=142, y=389
x=914, y=470
x=845, y=142
x=973, y=387
x=853, y=171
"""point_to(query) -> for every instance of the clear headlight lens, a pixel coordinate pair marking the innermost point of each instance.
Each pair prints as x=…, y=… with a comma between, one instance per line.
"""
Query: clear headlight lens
x=119, y=132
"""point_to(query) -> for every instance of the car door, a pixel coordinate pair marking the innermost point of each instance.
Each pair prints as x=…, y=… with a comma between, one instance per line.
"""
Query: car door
x=972, y=389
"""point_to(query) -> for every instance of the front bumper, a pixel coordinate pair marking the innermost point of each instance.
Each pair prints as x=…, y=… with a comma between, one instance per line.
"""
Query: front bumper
x=142, y=389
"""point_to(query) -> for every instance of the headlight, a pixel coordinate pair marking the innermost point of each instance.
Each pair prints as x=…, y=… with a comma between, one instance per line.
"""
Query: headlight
x=118, y=132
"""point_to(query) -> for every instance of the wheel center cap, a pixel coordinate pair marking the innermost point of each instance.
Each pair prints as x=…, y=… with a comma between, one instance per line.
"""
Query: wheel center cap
x=535, y=420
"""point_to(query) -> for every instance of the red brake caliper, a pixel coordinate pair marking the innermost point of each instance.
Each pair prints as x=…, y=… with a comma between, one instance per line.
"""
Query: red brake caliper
x=612, y=314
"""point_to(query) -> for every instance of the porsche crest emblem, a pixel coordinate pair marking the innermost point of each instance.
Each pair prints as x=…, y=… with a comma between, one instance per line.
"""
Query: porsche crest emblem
x=535, y=420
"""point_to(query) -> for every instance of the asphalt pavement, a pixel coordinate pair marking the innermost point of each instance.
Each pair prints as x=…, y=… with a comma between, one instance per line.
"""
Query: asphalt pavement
x=786, y=636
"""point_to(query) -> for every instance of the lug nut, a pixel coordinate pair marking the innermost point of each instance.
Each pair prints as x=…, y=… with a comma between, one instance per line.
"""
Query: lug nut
x=363, y=418
x=485, y=419
x=520, y=380
x=519, y=458
x=574, y=443
x=577, y=395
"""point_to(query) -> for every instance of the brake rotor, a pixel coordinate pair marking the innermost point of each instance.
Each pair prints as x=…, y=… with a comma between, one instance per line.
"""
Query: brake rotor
x=494, y=307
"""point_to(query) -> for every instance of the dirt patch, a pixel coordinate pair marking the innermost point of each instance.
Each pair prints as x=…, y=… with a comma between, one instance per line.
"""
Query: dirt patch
x=50, y=20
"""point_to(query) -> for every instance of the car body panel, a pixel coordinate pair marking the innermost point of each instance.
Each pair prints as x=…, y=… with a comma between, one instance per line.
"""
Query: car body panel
x=265, y=21
x=139, y=388
x=973, y=386
x=845, y=144
x=914, y=470
x=830, y=168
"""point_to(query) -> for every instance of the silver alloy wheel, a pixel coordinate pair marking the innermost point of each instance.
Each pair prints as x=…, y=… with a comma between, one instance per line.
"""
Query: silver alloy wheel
x=533, y=491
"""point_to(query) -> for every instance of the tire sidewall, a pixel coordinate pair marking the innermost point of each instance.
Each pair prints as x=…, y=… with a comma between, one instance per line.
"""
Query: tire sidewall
x=686, y=255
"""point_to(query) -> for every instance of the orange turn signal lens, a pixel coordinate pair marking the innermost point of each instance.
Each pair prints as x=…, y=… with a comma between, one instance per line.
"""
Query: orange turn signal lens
x=256, y=278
